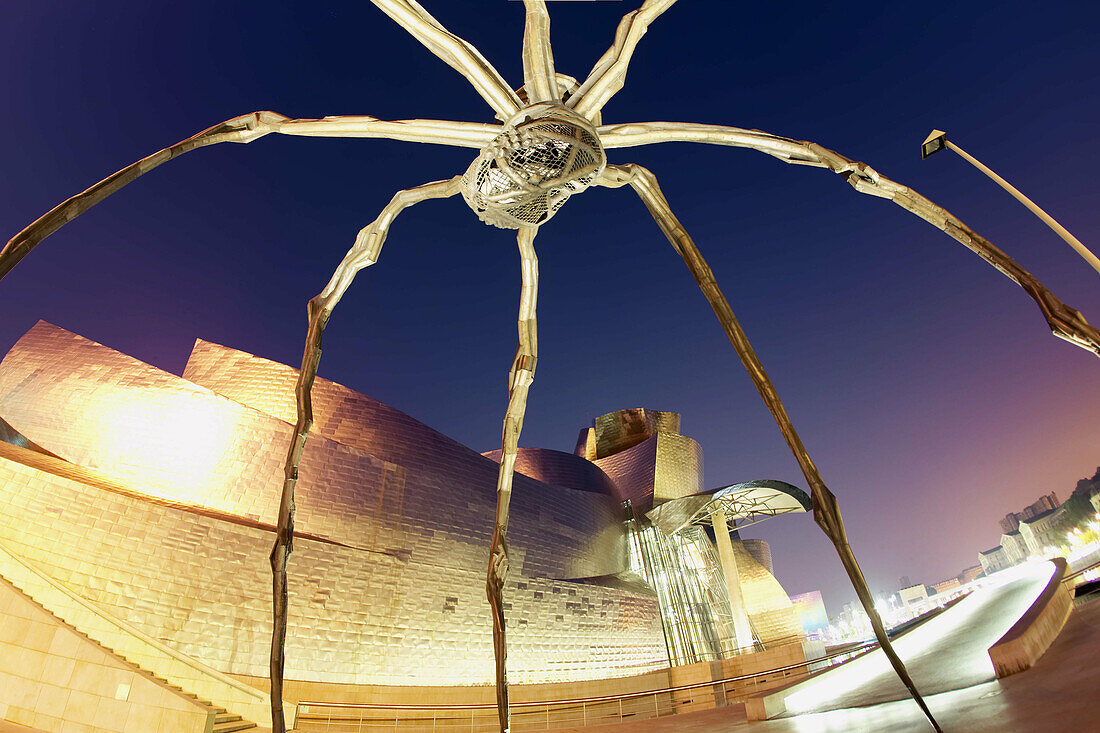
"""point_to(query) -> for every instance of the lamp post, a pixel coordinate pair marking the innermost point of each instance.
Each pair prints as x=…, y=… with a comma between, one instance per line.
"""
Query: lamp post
x=937, y=141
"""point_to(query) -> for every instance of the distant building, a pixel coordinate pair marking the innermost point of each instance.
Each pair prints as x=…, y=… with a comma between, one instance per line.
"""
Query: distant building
x=904, y=582
x=970, y=574
x=811, y=611
x=1043, y=504
x=915, y=598
x=1035, y=534
x=1042, y=531
x=1016, y=549
x=945, y=586
x=993, y=560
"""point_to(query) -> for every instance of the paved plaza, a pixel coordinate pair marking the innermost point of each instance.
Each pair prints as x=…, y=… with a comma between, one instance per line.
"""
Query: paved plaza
x=948, y=652
x=1057, y=694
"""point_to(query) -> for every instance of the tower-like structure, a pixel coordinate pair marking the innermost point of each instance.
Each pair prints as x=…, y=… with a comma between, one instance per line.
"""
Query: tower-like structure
x=717, y=599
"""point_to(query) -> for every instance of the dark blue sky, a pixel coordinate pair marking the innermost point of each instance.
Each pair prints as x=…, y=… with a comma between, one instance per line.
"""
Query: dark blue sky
x=925, y=384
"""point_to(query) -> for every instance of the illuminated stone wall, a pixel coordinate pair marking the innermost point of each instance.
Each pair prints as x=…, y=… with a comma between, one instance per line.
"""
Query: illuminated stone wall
x=51, y=678
x=644, y=455
x=202, y=583
x=181, y=441
x=391, y=576
x=634, y=470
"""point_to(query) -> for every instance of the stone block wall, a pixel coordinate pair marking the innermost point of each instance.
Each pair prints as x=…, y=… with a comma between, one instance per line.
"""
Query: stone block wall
x=54, y=679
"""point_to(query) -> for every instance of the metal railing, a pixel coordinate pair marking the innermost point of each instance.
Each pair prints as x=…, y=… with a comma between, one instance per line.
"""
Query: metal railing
x=1090, y=569
x=333, y=717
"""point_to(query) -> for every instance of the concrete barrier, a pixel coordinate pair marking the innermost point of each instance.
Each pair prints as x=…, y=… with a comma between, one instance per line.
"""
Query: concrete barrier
x=1040, y=625
x=773, y=703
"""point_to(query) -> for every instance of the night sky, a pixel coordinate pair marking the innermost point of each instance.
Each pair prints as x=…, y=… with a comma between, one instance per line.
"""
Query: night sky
x=925, y=385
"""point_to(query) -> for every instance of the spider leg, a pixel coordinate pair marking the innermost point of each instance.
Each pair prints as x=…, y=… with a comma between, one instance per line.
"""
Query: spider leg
x=539, y=79
x=365, y=251
x=455, y=52
x=609, y=74
x=519, y=381
x=443, y=132
x=243, y=129
x=1065, y=322
x=826, y=511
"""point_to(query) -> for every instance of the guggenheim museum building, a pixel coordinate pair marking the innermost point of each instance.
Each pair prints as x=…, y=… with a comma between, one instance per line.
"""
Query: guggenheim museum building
x=137, y=511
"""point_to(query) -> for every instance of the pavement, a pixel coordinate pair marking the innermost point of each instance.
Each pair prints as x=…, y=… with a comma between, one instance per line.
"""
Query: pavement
x=948, y=652
x=1057, y=695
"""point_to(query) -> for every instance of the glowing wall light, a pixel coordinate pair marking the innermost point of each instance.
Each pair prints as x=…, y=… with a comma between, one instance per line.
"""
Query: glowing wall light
x=179, y=437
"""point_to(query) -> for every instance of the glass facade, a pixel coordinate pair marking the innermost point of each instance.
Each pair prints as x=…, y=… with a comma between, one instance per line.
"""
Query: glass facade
x=684, y=570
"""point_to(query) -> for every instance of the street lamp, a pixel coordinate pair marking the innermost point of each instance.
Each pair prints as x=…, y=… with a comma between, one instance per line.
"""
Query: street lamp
x=937, y=141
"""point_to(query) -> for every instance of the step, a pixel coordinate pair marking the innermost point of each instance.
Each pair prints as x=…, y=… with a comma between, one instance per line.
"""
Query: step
x=27, y=578
x=231, y=727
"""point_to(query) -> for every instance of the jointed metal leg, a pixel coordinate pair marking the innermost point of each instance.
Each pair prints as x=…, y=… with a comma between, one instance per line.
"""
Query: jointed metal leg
x=457, y=53
x=609, y=74
x=1065, y=322
x=519, y=381
x=538, y=57
x=441, y=132
x=243, y=129
x=826, y=512
x=363, y=253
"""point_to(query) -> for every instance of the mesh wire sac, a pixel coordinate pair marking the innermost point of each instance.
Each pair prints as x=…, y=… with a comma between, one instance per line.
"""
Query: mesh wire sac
x=531, y=169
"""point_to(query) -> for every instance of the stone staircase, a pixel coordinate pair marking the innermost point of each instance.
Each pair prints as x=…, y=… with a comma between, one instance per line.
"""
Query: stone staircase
x=224, y=721
x=216, y=691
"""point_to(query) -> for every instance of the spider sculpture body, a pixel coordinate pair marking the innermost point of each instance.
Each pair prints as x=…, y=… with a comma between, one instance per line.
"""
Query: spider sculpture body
x=545, y=154
x=549, y=146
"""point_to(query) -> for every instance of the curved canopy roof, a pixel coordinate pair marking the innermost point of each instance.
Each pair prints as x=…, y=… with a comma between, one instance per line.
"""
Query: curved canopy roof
x=745, y=503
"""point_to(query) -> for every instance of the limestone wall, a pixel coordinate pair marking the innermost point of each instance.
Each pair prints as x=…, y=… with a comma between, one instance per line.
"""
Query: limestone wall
x=53, y=679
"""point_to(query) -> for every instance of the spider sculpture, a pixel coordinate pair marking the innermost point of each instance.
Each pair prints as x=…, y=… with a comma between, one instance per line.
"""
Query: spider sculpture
x=548, y=145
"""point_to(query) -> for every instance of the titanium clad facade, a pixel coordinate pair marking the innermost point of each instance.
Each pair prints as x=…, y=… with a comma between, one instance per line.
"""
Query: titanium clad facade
x=773, y=617
x=642, y=451
x=201, y=584
x=560, y=469
x=645, y=456
x=181, y=441
x=760, y=551
x=388, y=585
